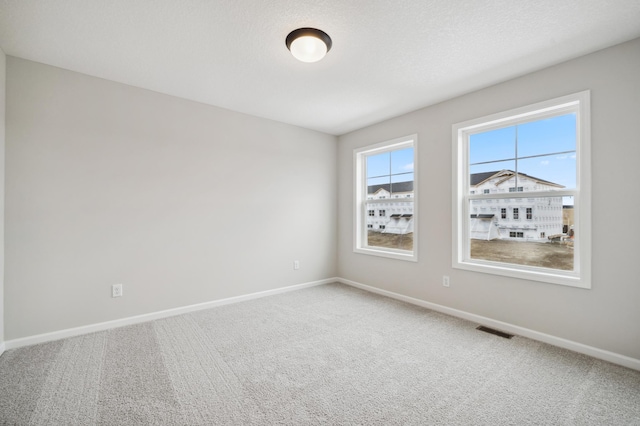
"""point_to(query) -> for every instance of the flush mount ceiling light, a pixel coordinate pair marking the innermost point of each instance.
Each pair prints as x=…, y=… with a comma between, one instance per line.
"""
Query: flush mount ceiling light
x=308, y=44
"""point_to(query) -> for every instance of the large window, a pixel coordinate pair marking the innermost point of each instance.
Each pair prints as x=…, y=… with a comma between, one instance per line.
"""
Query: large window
x=385, y=181
x=534, y=163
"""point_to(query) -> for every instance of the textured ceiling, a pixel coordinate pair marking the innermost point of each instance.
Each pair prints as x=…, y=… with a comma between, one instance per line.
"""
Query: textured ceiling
x=388, y=57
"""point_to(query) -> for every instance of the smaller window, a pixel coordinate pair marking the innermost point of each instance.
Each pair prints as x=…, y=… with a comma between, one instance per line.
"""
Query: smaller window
x=516, y=213
x=370, y=226
x=372, y=212
x=388, y=170
x=503, y=213
x=520, y=234
x=519, y=189
x=486, y=191
x=529, y=213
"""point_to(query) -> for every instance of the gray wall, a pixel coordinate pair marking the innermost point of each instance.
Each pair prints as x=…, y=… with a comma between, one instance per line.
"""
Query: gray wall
x=181, y=202
x=605, y=317
x=3, y=61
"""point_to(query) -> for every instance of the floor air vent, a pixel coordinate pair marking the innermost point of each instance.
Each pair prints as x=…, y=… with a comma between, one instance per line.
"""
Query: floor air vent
x=496, y=332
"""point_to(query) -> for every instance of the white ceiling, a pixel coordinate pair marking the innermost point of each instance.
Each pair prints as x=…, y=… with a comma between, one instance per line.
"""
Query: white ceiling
x=388, y=57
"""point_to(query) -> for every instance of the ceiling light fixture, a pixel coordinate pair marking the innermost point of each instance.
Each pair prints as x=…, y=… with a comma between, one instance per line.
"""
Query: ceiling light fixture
x=308, y=44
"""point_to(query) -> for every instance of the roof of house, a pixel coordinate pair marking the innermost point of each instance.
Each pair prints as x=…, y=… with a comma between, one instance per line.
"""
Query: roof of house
x=478, y=178
x=391, y=187
x=475, y=179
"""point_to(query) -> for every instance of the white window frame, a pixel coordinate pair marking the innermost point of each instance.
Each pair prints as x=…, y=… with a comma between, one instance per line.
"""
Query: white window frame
x=581, y=275
x=360, y=199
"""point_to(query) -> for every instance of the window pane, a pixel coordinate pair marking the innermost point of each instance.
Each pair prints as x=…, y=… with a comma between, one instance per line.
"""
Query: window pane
x=495, y=145
x=378, y=165
x=551, y=135
x=402, y=161
x=523, y=231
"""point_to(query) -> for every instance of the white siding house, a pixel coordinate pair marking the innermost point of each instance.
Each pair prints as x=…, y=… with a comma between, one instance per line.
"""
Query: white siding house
x=519, y=218
x=390, y=208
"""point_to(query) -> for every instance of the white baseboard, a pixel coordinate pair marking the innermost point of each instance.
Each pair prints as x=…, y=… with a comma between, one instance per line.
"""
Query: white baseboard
x=503, y=326
x=92, y=328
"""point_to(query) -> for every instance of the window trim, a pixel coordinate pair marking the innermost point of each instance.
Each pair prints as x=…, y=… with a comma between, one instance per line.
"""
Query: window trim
x=360, y=198
x=581, y=276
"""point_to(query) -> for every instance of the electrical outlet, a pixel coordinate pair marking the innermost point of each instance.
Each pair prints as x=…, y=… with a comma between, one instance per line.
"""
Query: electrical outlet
x=296, y=264
x=116, y=290
x=445, y=281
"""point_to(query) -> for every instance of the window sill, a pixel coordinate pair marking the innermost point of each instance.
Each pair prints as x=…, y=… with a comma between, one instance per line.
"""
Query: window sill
x=391, y=254
x=549, y=276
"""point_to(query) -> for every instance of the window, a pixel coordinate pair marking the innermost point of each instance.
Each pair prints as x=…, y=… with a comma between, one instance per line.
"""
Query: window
x=372, y=213
x=541, y=153
x=486, y=191
x=387, y=168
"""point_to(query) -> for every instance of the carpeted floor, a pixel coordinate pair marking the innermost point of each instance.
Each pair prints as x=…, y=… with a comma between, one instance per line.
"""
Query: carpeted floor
x=324, y=355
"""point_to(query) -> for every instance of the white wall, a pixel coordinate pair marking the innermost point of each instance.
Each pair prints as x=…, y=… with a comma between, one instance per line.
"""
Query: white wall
x=181, y=202
x=607, y=316
x=3, y=62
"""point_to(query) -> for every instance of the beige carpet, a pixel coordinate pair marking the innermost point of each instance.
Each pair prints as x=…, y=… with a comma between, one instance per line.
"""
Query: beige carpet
x=324, y=355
